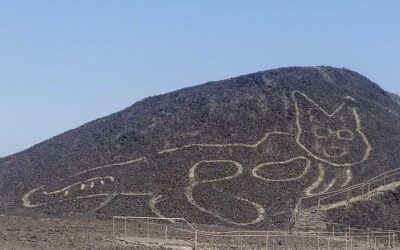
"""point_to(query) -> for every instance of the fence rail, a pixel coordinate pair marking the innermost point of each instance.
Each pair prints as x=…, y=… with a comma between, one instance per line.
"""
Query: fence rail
x=368, y=189
x=309, y=209
x=178, y=233
x=174, y=232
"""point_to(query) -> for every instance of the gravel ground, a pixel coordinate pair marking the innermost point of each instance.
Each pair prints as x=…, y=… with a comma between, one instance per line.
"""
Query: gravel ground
x=25, y=232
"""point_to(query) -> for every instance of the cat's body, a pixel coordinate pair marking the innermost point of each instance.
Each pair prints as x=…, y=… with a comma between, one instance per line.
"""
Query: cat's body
x=239, y=184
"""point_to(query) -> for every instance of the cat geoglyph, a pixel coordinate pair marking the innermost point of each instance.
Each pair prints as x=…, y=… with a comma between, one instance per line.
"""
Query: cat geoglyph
x=326, y=146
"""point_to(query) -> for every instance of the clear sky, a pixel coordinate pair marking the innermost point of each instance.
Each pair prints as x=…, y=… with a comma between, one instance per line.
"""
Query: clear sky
x=64, y=63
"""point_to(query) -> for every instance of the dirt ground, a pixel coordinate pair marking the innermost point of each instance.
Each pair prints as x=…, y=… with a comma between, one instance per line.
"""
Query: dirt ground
x=28, y=232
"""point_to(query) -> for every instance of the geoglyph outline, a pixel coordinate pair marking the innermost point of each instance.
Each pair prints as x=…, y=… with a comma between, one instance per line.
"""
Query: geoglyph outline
x=193, y=183
x=154, y=198
x=336, y=111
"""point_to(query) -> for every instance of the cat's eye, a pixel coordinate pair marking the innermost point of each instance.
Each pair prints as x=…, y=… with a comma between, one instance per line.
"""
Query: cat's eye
x=321, y=132
x=345, y=134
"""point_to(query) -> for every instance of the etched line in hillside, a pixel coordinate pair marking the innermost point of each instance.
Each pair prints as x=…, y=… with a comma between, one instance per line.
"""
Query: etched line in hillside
x=324, y=74
x=168, y=151
x=337, y=154
x=328, y=187
x=266, y=165
x=153, y=206
x=254, y=145
x=335, y=112
x=26, y=198
x=364, y=197
x=321, y=175
x=26, y=201
x=118, y=164
x=349, y=177
x=81, y=184
x=136, y=194
x=193, y=182
x=364, y=137
x=108, y=199
x=314, y=106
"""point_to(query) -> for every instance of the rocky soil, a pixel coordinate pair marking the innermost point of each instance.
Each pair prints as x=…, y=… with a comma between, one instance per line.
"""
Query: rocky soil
x=27, y=232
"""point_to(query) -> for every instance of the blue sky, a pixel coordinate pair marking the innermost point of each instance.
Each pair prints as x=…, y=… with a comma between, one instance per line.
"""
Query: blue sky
x=64, y=63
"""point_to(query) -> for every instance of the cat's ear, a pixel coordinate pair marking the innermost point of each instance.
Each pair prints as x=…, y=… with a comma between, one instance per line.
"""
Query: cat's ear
x=306, y=107
x=347, y=112
x=348, y=105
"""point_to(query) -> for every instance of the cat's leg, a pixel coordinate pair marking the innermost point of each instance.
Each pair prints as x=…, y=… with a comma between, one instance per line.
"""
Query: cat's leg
x=329, y=179
x=283, y=183
x=210, y=191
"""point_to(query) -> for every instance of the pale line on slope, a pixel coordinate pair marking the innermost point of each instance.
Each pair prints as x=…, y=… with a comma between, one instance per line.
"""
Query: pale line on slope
x=300, y=130
x=321, y=176
x=111, y=178
x=348, y=178
x=119, y=164
x=25, y=198
x=330, y=185
x=254, y=145
x=136, y=194
x=192, y=170
x=27, y=203
x=193, y=183
x=324, y=74
x=337, y=110
x=153, y=206
x=234, y=144
x=363, y=197
x=364, y=137
x=305, y=171
x=104, y=203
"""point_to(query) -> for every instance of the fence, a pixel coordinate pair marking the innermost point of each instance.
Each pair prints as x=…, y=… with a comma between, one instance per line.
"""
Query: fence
x=155, y=231
x=177, y=233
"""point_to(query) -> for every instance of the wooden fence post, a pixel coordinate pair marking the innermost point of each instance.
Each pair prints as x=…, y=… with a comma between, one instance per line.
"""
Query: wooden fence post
x=329, y=242
x=195, y=240
x=125, y=227
x=148, y=231
x=166, y=235
x=113, y=226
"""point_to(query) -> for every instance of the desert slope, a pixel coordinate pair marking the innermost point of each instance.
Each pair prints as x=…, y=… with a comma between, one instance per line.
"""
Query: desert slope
x=238, y=152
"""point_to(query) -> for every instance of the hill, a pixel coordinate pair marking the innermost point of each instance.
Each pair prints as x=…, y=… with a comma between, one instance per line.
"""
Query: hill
x=237, y=152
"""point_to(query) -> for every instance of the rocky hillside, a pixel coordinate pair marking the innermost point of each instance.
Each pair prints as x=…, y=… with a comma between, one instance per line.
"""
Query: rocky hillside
x=237, y=152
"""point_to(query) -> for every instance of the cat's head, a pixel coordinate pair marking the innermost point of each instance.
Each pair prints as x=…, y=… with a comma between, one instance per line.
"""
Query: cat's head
x=335, y=138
